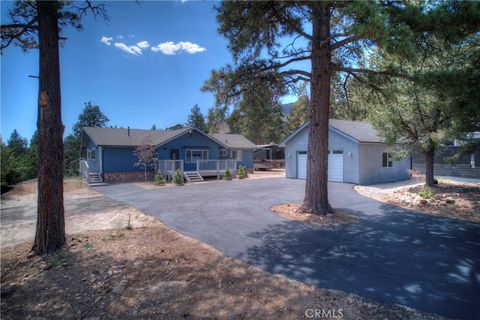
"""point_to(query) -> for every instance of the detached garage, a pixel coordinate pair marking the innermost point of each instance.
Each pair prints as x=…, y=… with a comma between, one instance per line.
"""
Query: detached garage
x=356, y=155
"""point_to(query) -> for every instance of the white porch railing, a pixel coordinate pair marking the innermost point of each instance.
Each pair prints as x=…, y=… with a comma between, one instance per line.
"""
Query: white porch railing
x=217, y=167
x=84, y=169
x=168, y=167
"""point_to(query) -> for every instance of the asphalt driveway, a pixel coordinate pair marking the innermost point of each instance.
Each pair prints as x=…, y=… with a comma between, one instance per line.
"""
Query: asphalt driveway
x=391, y=256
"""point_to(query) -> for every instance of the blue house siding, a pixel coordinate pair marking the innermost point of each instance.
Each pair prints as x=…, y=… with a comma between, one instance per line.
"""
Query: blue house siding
x=119, y=160
x=247, y=158
x=195, y=140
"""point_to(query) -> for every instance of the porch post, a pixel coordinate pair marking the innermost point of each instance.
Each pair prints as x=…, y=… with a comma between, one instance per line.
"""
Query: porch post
x=218, y=169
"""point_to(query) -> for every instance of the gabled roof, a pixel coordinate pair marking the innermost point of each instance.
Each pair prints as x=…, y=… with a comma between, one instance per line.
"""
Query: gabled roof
x=234, y=141
x=360, y=131
x=135, y=137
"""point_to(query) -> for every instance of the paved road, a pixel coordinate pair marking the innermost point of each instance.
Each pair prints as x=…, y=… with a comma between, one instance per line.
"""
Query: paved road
x=391, y=256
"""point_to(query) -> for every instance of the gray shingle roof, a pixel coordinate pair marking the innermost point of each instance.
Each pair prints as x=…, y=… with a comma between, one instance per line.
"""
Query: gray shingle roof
x=120, y=137
x=234, y=141
x=361, y=131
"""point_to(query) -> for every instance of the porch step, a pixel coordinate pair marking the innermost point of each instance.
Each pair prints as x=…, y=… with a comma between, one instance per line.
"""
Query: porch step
x=95, y=179
x=193, y=176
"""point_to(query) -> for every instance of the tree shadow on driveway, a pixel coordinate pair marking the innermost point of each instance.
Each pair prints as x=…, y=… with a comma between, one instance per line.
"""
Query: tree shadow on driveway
x=424, y=262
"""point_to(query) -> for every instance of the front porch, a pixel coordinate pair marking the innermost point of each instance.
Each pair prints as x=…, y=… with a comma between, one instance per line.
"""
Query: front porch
x=203, y=168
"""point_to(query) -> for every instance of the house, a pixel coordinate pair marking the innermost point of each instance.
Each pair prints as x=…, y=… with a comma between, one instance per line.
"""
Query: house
x=451, y=160
x=356, y=155
x=269, y=156
x=108, y=153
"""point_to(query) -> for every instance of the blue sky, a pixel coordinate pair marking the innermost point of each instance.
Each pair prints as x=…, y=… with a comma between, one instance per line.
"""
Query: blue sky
x=135, y=86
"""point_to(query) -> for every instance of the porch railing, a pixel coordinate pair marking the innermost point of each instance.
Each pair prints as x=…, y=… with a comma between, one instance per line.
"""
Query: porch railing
x=216, y=165
x=168, y=167
x=84, y=169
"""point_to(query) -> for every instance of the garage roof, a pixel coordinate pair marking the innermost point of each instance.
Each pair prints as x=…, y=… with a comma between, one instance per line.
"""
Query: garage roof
x=361, y=131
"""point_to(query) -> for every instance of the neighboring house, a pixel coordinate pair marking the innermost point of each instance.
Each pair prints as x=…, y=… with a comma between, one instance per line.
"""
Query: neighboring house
x=450, y=161
x=269, y=156
x=356, y=155
x=108, y=153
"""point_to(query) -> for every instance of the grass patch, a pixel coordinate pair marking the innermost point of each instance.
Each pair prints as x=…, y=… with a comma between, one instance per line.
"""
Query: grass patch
x=88, y=246
x=426, y=193
x=59, y=258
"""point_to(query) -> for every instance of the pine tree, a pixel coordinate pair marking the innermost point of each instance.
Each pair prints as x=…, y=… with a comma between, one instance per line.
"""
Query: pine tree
x=197, y=119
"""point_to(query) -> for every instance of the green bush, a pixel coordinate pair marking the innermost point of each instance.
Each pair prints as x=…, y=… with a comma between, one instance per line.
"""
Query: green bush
x=228, y=175
x=178, y=179
x=242, y=172
x=159, y=179
x=426, y=193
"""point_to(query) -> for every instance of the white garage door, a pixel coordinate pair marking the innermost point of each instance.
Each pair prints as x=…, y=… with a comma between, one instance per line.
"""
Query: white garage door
x=302, y=165
x=335, y=166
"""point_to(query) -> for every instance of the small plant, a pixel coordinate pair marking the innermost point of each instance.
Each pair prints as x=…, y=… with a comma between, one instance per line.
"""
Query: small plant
x=242, y=172
x=88, y=246
x=178, y=179
x=426, y=193
x=129, y=224
x=160, y=179
x=107, y=237
x=59, y=258
x=228, y=175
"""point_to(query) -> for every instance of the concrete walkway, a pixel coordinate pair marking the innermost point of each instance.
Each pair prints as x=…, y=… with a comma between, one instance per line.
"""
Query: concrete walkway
x=391, y=256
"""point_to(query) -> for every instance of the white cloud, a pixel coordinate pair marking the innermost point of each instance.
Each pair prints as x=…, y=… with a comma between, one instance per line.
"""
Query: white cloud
x=172, y=48
x=143, y=44
x=106, y=40
x=136, y=51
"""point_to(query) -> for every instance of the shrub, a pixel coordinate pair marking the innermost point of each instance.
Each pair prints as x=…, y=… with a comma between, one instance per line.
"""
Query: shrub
x=228, y=175
x=159, y=179
x=178, y=179
x=242, y=172
x=426, y=193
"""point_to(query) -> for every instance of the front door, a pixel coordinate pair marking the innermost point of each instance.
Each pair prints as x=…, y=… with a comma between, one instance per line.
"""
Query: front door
x=174, y=154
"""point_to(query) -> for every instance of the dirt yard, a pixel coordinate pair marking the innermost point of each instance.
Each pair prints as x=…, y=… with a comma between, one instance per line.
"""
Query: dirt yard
x=458, y=200
x=156, y=273
x=291, y=211
x=85, y=209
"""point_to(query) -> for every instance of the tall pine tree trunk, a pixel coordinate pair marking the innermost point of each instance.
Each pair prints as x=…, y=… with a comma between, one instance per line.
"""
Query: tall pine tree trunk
x=316, y=194
x=429, y=161
x=50, y=232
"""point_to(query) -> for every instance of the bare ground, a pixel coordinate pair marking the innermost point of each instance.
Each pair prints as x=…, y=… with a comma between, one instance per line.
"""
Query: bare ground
x=458, y=200
x=156, y=273
x=291, y=211
x=85, y=209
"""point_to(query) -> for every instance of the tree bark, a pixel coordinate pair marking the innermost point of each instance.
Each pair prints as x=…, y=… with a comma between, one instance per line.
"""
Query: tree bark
x=429, y=161
x=316, y=193
x=50, y=231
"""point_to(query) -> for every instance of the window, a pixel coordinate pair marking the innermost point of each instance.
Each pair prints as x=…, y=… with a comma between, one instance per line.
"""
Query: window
x=387, y=161
x=194, y=155
x=236, y=154
x=91, y=154
x=337, y=152
x=223, y=153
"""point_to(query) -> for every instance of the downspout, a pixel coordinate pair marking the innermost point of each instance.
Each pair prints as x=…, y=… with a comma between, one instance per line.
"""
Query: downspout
x=100, y=158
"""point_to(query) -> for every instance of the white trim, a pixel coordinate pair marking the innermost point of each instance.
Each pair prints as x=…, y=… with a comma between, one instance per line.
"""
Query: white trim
x=191, y=150
x=239, y=154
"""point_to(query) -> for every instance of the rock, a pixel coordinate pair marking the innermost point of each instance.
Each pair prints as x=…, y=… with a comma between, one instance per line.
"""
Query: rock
x=118, y=289
x=422, y=202
x=165, y=262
